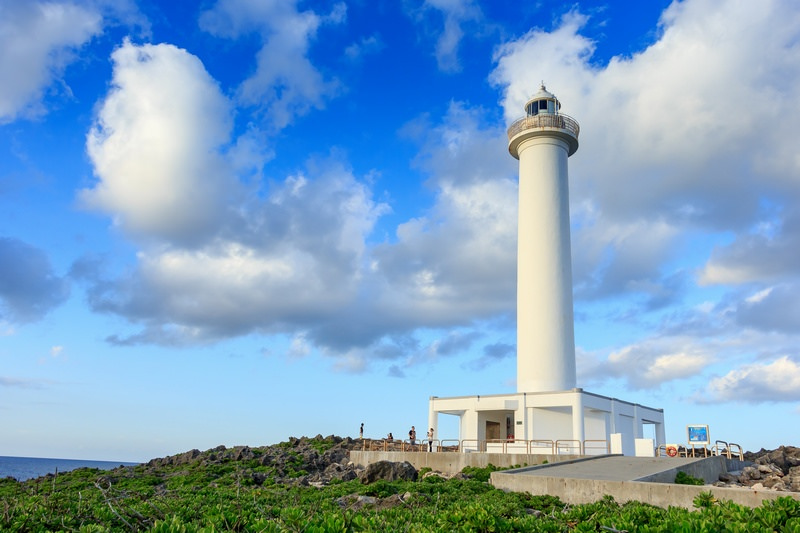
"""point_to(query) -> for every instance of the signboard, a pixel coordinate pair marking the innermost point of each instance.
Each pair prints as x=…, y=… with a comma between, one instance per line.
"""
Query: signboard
x=698, y=435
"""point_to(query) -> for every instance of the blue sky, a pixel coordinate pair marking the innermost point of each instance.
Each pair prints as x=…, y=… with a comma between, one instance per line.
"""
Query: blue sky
x=235, y=221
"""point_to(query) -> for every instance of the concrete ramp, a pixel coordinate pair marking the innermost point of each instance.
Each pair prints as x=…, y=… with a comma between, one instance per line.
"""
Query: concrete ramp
x=644, y=479
x=621, y=468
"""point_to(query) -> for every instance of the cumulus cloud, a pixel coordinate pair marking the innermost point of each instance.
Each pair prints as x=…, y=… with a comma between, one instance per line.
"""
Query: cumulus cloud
x=297, y=263
x=777, y=381
x=29, y=288
x=285, y=83
x=292, y=258
x=156, y=146
x=39, y=41
x=768, y=253
x=650, y=365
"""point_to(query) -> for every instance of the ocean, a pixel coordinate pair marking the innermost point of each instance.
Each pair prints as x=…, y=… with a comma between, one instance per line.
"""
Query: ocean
x=22, y=468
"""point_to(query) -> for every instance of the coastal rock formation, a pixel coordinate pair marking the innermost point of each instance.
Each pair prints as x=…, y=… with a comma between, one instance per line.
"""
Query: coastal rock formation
x=300, y=461
x=389, y=471
x=777, y=470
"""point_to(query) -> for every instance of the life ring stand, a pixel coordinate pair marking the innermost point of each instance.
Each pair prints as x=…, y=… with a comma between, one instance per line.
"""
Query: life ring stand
x=672, y=451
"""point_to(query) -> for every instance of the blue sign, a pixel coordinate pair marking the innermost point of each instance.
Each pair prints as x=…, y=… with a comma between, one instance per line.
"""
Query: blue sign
x=698, y=434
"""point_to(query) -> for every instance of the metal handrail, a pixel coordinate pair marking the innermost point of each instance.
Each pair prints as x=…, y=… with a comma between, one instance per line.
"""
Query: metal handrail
x=562, y=444
x=539, y=443
x=504, y=443
x=544, y=120
x=605, y=445
x=480, y=446
x=407, y=446
x=738, y=447
x=721, y=448
x=445, y=445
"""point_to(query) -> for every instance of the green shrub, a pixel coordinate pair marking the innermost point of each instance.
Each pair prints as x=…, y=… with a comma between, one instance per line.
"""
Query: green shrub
x=682, y=478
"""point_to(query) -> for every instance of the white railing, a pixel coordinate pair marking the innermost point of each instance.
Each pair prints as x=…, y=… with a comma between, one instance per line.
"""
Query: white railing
x=544, y=120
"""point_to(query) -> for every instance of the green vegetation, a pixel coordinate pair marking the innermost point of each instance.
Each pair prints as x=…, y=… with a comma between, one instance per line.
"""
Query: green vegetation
x=201, y=497
x=682, y=478
x=480, y=474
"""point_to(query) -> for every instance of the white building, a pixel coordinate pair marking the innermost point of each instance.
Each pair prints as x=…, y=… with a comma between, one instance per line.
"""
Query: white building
x=547, y=405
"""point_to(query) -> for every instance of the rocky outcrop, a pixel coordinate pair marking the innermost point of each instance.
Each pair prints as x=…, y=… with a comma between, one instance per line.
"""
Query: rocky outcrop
x=777, y=470
x=785, y=458
x=389, y=471
x=300, y=461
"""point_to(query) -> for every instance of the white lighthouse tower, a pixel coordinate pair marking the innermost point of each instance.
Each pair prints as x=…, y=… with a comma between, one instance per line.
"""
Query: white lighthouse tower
x=542, y=140
x=548, y=413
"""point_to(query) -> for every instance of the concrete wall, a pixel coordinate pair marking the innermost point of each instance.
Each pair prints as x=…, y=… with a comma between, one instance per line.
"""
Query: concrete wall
x=576, y=491
x=550, y=423
x=453, y=462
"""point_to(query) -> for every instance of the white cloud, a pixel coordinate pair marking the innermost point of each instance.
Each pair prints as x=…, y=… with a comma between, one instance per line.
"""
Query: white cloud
x=456, y=14
x=759, y=256
x=777, y=381
x=285, y=83
x=157, y=146
x=38, y=40
x=649, y=365
x=458, y=18
x=366, y=46
x=296, y=263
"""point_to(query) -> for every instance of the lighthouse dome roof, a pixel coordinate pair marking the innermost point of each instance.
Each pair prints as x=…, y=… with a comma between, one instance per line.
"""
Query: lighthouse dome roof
x=543, y=93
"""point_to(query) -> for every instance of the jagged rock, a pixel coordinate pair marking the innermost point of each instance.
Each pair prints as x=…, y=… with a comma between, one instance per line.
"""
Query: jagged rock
x=785, y=457
x=389, y=471
x=186, y=457
x=242, y=453
x=792, y=479
x=259, y=478
x=770, y=469
x=749, y=473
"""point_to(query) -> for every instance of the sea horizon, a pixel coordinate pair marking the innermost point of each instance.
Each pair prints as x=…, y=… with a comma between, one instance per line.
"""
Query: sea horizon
x=25, y=468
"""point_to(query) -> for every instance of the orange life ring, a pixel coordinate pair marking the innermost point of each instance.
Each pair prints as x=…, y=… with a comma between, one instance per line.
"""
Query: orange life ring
x=672, y=451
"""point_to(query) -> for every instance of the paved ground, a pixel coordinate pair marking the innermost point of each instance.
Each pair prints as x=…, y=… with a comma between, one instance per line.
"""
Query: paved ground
x=617, y=468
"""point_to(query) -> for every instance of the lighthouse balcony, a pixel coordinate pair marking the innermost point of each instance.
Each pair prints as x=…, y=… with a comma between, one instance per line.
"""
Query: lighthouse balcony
x=544, y=120
x=544, y=125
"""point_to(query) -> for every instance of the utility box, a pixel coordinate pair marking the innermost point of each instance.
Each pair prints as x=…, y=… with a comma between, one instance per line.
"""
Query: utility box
x=645, y=448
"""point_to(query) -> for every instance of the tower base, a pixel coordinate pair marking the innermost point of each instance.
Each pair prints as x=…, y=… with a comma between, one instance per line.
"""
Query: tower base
x=571, y=421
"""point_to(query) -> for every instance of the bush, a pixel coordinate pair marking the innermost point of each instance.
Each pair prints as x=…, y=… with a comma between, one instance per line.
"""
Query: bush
x=682, y=478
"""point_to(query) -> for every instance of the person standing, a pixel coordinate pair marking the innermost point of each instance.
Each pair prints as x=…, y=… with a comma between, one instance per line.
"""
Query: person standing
x=361, y=431
x=412, y=435
x=430, y=440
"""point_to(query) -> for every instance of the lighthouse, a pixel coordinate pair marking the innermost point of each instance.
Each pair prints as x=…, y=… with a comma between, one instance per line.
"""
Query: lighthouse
x=549, y=413
x=542, y=140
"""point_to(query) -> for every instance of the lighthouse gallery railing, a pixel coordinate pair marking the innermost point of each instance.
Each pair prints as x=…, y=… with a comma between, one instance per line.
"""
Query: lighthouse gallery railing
x=544, y=120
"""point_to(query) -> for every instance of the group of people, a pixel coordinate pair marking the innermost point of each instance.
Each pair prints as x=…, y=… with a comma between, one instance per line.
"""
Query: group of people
x=412, y=436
